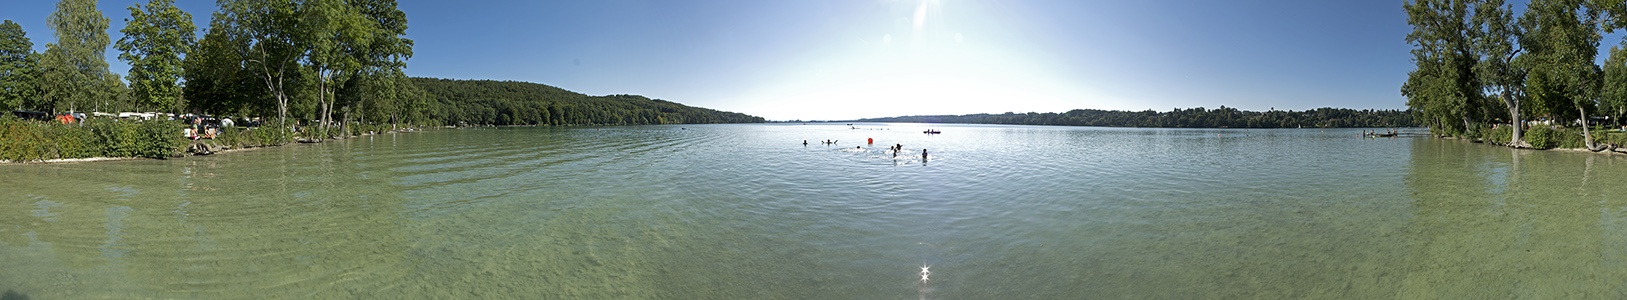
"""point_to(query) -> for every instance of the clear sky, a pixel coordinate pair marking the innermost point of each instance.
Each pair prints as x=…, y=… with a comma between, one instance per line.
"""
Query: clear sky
x=846, y=59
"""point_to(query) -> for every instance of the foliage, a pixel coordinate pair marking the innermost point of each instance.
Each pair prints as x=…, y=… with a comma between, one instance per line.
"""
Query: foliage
x=19, y=67
x=1224, y=117
x=1543, y=137
x=22, y=140
x=153, y=43
x=1444, y=86
x=1613, y=100
x=1497, y=37
x=75, y=68
x=217, y=81
x=1500, y=135
x=487, y=102
x=271, y=41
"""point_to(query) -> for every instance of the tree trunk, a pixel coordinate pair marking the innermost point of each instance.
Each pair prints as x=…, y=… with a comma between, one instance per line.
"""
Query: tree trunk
x=322, y=100
x=346, y=122
x=1467, y=126
x=1587, y=137
x=1514, y=113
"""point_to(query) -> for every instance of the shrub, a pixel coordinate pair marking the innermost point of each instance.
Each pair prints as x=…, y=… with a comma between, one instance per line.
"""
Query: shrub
x=1500, y=135
x=1541, y=137
x=1618, y=139
x=268, y=136
x=72, y=141
x=1571, y=138
x=158, y=138
x=20, y=140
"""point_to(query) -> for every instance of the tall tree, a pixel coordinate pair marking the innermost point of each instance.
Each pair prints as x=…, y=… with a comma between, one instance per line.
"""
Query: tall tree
x=1444, y=87
x=273, y=44
x=1613, y=95
x=336, y=33
x=19, y=67
x=219, y=82
x=75, y=65
x=155, y=39
x=383, y=86
x=1496, y=35
x=1563, y=36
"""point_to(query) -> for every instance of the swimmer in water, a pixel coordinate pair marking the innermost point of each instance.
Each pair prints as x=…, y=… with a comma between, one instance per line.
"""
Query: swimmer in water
x=923, y=154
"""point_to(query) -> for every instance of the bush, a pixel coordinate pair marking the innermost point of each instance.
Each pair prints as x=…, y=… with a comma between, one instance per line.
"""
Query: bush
x=21, y=140
x=157, y=138
x=36, y=140
x=1571, y=138
x=1500, y=135
x=72, y=141
x=1618, y=139
x=1541, y=137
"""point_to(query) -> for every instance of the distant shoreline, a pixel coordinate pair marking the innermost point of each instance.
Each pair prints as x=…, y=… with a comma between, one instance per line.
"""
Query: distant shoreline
x=1223, y=117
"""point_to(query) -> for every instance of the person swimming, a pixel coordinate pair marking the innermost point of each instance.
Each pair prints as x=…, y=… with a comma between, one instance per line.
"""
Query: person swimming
x=923, y=155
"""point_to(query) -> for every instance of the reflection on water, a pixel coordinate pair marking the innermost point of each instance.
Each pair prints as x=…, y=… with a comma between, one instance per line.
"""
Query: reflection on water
x=1503, y=223
x=748, y=212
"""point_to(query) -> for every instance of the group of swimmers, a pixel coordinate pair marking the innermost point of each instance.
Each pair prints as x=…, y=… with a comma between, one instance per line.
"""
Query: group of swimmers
x=896, y=148
x=1375, y=132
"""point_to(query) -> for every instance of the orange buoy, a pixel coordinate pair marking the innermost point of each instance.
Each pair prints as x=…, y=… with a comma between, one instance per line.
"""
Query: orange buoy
x=872, y=141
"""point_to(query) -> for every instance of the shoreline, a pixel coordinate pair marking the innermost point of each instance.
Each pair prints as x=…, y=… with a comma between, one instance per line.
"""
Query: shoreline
x=1611, y=151
x=188, y=151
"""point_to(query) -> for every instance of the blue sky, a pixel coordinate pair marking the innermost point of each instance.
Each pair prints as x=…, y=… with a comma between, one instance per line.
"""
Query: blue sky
x=844, y=59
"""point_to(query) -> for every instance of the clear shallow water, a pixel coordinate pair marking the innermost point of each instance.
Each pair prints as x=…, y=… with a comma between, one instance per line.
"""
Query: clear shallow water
x=748, y=212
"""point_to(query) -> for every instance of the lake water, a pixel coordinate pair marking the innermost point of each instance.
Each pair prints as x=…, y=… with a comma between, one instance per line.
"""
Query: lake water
x=749, y=212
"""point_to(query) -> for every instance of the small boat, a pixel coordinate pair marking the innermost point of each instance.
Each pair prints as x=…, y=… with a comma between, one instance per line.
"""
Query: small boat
x=931, y=131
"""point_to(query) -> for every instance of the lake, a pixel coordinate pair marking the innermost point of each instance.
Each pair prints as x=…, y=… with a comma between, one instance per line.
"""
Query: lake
x=747, y=211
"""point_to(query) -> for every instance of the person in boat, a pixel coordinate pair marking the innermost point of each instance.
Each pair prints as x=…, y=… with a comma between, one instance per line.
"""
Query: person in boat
x=804, y=142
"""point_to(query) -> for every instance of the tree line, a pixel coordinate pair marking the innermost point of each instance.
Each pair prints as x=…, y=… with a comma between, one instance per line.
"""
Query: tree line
x=1223, y=117
x=319, y=62
x=1478, y=65
x=487, y=102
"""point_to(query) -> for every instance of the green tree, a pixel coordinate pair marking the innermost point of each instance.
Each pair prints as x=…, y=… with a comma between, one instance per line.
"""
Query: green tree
x=19, y=67
x=383, y=61
x=271, y=41
x=1614, y=92
x=1563, y=36
x=75, y=66
x=1497, y=35
x=337, y=33
x=218, y=81
x=153, y=44
x=1444, y=86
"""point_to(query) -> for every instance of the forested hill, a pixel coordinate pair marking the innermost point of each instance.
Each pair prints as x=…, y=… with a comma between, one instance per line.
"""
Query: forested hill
x=1223, y=117
x=490, y=102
